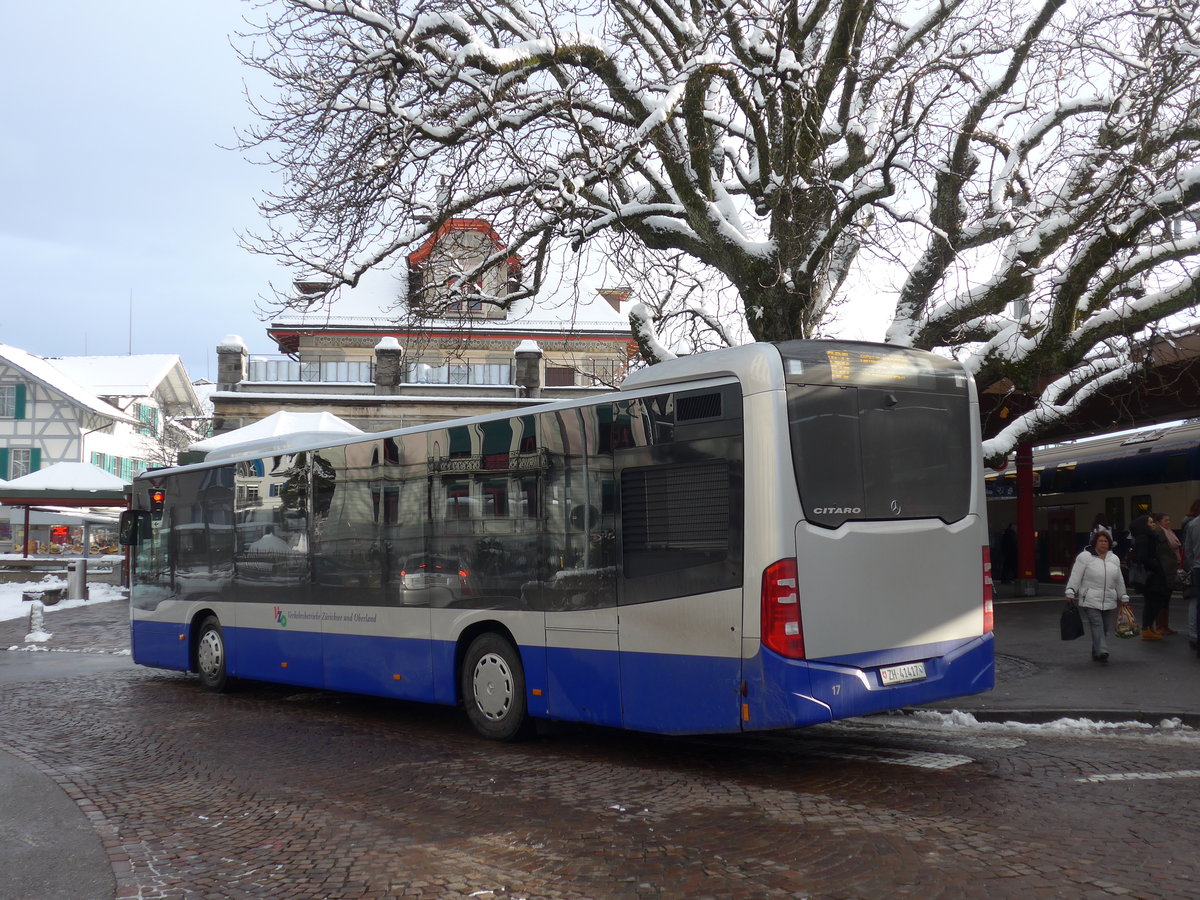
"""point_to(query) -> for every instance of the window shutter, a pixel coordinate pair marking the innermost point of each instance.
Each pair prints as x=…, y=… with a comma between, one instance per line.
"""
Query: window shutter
x=35, y=459
x=4, y=463
x=19, y=411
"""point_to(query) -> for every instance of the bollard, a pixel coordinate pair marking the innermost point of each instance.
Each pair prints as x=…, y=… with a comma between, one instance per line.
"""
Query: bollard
x=37, y=633
x=77, y=588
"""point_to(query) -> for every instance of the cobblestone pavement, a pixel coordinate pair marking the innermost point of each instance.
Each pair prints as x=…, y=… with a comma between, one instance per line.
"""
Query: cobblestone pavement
x=273, y=792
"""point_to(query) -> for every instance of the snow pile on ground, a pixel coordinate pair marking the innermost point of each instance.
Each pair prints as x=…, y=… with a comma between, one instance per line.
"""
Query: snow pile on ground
x=957, y=720
x=13, y=607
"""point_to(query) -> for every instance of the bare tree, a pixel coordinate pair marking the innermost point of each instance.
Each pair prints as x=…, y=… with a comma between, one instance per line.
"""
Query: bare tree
x=1030, y=173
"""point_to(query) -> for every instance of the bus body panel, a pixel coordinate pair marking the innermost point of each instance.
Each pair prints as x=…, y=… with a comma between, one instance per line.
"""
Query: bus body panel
x=672, y=693
x=906, y=591
x=378, y=650
x=292, y=656
x=583, y=678
x=384, y=666
x=680, y=663
x=158, y=644
x=583, y=685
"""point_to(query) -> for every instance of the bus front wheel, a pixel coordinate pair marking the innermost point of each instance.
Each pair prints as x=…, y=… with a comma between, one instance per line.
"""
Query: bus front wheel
x=210, y=656
x=493, y=689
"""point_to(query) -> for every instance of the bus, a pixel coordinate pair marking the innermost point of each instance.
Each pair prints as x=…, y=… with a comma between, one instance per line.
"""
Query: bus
x=769, y=536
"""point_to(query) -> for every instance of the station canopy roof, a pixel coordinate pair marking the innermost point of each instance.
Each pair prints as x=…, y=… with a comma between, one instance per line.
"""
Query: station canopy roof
x=73, y=484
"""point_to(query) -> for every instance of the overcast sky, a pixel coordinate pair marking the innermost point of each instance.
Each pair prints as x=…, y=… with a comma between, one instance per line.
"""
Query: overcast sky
x=116, y=192
x=114, y=186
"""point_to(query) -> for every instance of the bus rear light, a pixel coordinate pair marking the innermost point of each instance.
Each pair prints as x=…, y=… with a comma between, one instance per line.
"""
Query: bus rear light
x=781, y=627
x=989, y=619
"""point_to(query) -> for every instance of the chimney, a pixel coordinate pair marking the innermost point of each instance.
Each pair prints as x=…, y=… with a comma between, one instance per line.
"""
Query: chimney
x=231, y=362
x=528, y=368
x=389, y=365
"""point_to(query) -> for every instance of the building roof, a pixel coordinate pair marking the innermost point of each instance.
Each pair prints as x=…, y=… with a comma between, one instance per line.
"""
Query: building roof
x=158, y=375
x=569, y=306
x=45, y=372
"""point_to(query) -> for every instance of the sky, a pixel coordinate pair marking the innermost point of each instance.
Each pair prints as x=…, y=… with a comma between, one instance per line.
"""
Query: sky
x=121, y=204
x=117, y=194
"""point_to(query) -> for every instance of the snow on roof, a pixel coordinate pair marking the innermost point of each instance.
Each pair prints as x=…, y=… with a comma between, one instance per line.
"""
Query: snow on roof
x=68, y=476
x=570, y=302
x=276, y=432
x=118, y=376
x=48, y=373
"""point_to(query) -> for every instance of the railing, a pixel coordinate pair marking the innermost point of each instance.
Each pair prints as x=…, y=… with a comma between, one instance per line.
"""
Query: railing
x=311, y=370
x=459, y=373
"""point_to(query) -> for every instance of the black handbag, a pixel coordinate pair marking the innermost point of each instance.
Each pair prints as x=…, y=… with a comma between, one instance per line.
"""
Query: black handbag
x=1071, y=623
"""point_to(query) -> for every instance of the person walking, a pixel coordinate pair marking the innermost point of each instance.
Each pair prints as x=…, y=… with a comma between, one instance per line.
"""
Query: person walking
x=1157, y=590
x=1097, y=586
x=1172, y=564
x=1191, y=562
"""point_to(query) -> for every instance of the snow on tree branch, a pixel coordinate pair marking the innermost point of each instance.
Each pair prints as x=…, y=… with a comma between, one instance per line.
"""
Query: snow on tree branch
x=1025, y=176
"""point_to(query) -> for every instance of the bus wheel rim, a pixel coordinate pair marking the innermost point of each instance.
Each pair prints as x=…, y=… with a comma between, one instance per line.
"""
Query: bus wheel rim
x=210, y=653
x=493, y=684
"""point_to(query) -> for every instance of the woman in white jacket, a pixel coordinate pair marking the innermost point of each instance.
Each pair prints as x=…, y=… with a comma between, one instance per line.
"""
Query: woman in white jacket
x=1097, y=585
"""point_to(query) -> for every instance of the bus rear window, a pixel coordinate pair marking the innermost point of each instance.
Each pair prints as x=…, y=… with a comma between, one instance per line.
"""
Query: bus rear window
x=877, y=453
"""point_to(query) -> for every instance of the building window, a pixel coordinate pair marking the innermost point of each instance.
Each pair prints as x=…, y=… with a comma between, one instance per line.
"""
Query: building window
x=21, y=461
x=560, y=376
x=12, y=401
x=148, y=416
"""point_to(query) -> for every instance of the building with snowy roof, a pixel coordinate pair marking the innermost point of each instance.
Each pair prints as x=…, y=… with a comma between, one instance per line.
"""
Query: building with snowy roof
x=120, y=413
x=409, y=345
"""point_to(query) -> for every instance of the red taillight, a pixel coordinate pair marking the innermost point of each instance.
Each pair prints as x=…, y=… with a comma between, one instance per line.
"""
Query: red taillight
x=989, y=620
x=781, y=629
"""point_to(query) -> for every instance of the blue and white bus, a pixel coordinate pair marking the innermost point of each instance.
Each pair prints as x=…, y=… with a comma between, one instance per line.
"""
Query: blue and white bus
x=763, y=537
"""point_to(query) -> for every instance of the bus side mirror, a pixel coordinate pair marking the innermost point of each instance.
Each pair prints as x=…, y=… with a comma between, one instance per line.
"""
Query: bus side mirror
x=130, y=528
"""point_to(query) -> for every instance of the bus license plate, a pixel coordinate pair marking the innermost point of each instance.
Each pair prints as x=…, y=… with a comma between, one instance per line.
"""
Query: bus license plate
x=900, y=674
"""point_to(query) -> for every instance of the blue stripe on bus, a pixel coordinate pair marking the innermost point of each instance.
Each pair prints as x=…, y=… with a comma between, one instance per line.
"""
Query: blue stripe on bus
x=663, y=693
x=676, y=694
x=158, y=644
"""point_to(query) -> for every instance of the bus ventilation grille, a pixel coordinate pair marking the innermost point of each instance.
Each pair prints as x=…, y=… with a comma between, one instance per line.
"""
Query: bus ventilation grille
x=699, y=406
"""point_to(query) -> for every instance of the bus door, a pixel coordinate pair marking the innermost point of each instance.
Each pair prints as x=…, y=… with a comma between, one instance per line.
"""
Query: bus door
x=578, y=589
x=369, y=567
x=278, y=635
x=680, y=590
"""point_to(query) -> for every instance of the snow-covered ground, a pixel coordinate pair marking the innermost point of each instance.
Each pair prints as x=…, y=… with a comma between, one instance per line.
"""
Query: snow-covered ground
x=13, y=607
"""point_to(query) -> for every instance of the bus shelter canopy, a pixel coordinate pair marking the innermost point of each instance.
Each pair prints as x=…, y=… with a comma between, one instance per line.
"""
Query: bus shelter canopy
x=73, y=484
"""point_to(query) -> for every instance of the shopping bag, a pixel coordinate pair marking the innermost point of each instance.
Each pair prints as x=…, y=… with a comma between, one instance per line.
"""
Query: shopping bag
x=1127, y=626
x=1071, y=623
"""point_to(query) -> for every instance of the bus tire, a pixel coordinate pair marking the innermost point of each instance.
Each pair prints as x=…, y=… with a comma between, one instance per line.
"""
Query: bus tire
x=211, y=656
x=493, y=689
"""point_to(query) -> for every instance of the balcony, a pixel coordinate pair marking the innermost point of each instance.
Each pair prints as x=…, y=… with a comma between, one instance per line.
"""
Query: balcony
x=325, y=371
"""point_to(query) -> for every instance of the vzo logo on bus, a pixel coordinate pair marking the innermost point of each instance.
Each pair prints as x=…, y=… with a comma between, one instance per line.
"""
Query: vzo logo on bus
x=281, y=616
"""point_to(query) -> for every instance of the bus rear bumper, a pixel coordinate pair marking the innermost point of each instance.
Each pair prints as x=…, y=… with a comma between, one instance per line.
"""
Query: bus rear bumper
x=806, y=692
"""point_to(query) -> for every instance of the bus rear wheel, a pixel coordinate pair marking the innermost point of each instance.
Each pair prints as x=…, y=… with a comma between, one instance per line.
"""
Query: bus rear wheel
x=210, y=656
x=493, y=689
